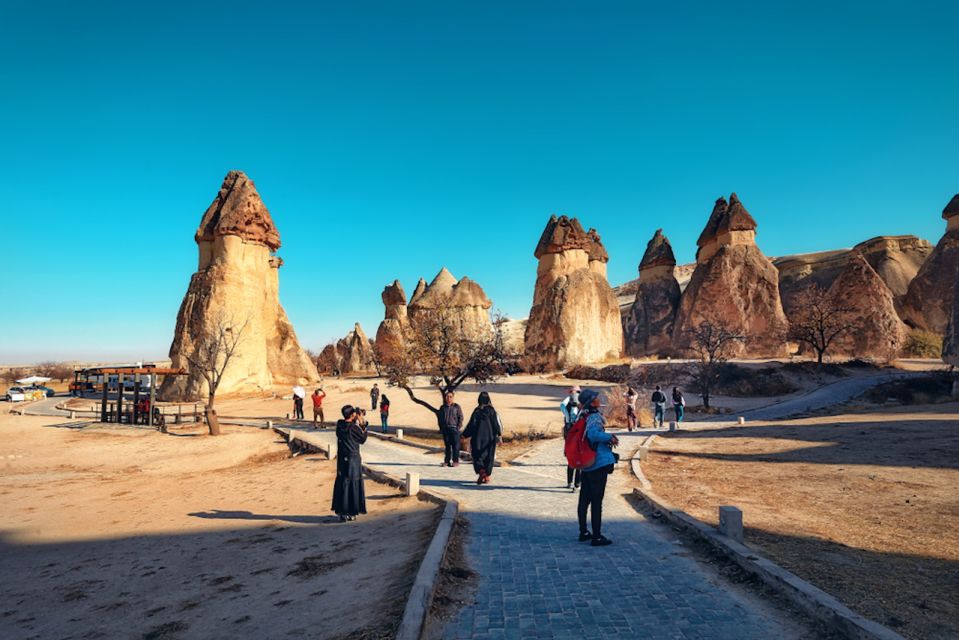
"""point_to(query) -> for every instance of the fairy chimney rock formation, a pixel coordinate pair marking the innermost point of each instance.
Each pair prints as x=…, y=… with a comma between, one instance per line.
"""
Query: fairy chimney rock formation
x=950, y=346
x=237, y=284
x=876, y=330
x=575, y=317
x=393, y=332
x=928, y=303
x=734, y=285
x=356, y=352
x=464, y=298
x=648, y=326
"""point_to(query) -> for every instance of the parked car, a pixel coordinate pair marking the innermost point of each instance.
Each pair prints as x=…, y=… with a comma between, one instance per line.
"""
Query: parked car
x=16, y=394
x=47, y=391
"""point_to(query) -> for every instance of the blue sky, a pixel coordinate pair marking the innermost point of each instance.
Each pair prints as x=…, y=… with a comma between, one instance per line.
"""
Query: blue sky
x=390, y=139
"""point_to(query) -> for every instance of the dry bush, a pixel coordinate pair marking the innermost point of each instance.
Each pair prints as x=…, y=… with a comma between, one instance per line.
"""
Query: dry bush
x=922, y=344
x=532, y=434
x=931, y=389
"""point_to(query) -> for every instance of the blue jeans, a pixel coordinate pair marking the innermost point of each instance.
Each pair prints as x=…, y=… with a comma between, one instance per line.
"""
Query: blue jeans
x=659, y=415
x=384, y=418
x=680, y=412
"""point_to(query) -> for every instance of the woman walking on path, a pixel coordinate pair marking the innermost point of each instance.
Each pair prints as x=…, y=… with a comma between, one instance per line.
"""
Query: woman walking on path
x=679, y=404
x=349, y=497
x=484, y=430
x=384, y=412
x=595, y=476
x=631, y=397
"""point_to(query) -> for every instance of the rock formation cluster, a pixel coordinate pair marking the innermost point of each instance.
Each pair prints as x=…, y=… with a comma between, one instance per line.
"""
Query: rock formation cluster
x=575, y=317
x=355, y=352
x=648, y=327
x=237, y=284
x=733, y=283
x=464, y=299
x=897, y=260
x=928, y=303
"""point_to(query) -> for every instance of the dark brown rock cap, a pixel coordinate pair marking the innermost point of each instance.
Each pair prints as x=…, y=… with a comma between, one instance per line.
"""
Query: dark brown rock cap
x=596, y=249
x=393, y=294
x=658, y=252
x=952, y=209
x=237, y=210
x=562, y=234
x=736, y=217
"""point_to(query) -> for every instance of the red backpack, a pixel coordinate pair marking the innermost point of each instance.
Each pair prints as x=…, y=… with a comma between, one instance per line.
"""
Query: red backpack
x=579, y=454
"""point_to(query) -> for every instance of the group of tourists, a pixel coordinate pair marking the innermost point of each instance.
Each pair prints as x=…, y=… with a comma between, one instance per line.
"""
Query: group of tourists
x=384, y=404
x=583, y=421
x=658, y=403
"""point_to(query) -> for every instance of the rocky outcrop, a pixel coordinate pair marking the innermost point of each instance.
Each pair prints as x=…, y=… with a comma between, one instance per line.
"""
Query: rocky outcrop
x=734, y=284
x=928, y=303
x=648, y=327
x=394, y=331
x=876, y=330
x=575, y=318
x=355, y=352
x=950, y=346
x=465, y=299
x=237, y=285
x=897, y=260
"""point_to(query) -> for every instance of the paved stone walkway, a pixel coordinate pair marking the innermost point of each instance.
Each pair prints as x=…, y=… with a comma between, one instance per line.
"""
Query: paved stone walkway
x=537, y=581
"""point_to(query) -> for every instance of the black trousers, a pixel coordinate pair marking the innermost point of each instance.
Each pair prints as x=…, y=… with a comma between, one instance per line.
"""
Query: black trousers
x=572, y=474
x=451, y=445
x=591, y=497
x=298, y=408
x=373, y=403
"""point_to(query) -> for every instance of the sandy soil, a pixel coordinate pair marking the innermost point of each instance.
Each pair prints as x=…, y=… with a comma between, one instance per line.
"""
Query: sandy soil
x=111, y=533
x=864, y=506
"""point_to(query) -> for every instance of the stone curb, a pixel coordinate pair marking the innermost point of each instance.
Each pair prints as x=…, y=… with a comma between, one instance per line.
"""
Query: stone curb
x=811, y=599
x=424, y=585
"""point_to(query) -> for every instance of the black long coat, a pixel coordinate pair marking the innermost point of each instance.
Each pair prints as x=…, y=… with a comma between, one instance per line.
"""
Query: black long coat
x=483, y=430
x=349, y=497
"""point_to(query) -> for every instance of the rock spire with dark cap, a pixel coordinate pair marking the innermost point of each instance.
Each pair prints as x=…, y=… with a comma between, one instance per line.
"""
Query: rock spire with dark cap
x=237, y=284
x=928, y=303
x=575, y=317
x=734, y=285
x=238, y=210
x=393, y=332
x=648, y=326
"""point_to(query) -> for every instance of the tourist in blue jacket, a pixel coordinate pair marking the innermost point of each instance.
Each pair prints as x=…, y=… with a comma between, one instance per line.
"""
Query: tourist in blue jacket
x=593, y=487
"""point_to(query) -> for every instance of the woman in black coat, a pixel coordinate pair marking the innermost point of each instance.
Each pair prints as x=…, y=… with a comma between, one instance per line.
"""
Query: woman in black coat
x=484, y=430
x=349, y=497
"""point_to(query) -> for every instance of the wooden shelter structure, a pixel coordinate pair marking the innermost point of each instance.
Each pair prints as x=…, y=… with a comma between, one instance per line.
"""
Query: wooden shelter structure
x=115, y=413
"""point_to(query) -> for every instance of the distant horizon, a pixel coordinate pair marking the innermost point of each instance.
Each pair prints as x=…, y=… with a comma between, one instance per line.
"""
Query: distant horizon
x=390, y=140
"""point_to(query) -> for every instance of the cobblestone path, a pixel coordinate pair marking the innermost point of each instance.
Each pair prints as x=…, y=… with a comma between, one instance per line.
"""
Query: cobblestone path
x=537, y=581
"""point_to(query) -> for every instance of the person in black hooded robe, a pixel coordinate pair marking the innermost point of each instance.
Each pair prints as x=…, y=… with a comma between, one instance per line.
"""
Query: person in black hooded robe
x=484, y=430
x=349, y=497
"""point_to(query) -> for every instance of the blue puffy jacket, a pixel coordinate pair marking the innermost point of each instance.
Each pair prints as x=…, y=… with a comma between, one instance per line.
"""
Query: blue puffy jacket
x=597, y=436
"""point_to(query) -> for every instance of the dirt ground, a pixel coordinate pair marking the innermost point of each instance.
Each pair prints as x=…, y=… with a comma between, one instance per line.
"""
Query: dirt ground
x=112, y=533
x=863, y=506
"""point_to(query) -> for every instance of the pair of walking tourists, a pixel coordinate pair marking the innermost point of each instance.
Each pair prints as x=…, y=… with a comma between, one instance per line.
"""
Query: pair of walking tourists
x=659, y=406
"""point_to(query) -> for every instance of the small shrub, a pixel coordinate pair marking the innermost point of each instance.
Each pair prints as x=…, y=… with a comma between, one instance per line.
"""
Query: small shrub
x=806, y=367
x=930, y=389
x=740, y=382
x=922, y=344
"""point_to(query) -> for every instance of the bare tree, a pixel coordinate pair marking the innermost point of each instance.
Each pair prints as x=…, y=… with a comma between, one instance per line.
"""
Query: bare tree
x=55, y=370
x=211, y=356
x=448, y=351
x=818, y=320
x=13, y=374
x=711, y=342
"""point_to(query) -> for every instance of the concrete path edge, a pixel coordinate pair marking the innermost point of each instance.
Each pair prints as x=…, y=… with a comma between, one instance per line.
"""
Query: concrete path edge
x=811, y=599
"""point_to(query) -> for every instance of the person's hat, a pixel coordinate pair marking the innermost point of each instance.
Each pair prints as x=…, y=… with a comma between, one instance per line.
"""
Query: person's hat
x=586, y=396
x=347, y=410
